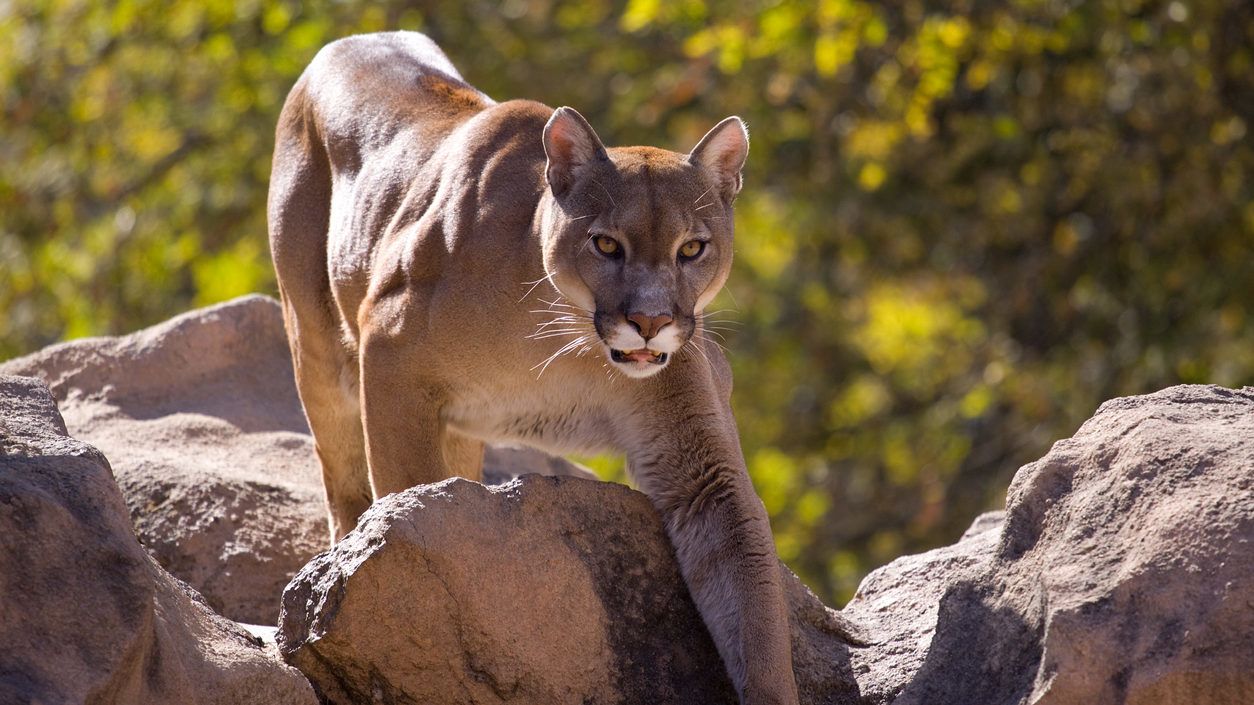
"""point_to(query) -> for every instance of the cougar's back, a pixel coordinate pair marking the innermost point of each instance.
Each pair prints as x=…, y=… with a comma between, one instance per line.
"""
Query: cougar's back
x=355, y=134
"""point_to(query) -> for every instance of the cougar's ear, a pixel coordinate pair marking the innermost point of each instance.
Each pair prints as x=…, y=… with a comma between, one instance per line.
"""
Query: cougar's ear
x=722, y=154
x=570, y=144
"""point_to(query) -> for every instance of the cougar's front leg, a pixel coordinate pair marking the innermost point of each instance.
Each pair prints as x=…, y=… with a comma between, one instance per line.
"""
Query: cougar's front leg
x=463, y=455
x=693, y=470
x=401, y=419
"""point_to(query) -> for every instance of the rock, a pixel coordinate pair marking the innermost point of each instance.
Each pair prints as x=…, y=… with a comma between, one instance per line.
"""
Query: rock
x=201, y=420
x=210, y=446
x=545, y=590
x=504, y=463
x=85, y=614
x=1120, y=572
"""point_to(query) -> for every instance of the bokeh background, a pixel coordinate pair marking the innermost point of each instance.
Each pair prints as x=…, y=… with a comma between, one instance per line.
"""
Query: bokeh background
x=965, y=224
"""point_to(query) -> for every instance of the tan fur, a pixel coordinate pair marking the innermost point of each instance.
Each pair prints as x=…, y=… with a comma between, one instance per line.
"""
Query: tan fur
x=433, y=251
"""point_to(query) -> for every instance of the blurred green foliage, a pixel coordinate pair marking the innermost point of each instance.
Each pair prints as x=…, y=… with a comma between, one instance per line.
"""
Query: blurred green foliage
x=965, y=224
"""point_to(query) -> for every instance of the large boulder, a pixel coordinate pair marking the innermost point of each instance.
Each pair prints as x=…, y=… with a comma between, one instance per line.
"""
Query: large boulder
x=86, y=615
x=201, y=420
x=1120, y=572
x=543, y=590
x=547, y=590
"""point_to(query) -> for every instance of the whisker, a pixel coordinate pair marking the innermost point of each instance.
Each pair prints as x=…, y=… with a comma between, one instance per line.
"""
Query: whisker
x=703, y=194
x=534, y=284
x=701, y=334
x=547, y=328
x=563, y=317
x=607, y=192
x=711, y=341
x=546, y=334
x=565, y=321
x=555, y=302
x=571, y=324
x=555, y=333
x=564, y=349
x=700, y=350
x=544, y=365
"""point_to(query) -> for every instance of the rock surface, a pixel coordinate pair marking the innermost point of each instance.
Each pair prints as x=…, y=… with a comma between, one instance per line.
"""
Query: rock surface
x=85, y=614
x=545, y=590
x=201, y=420
x=1123, y=572
x=1120, y=572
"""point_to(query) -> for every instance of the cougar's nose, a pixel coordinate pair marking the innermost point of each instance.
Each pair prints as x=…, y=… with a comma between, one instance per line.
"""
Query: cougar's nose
x=648, y=326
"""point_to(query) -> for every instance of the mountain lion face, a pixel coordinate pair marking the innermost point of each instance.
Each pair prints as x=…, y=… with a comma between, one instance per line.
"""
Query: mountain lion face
x=639, y=238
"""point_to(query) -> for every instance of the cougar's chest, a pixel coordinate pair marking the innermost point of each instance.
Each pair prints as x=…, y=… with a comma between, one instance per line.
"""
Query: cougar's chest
x=565, y=417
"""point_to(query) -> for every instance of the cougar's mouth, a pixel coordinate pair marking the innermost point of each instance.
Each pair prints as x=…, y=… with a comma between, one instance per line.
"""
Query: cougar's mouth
x=640, y=355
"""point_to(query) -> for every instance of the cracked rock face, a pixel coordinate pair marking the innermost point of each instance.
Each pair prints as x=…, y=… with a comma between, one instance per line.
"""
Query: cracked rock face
x=85, y=614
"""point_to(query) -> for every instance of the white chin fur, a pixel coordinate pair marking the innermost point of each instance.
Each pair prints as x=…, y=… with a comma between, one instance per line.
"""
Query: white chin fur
x=625, y=337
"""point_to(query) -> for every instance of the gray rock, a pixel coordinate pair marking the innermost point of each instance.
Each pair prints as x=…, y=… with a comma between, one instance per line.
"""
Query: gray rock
x=504, y=463
x=1123, y=572
x=210, y=446
x=1120, y=572
x=85, y=614
x=544, y=590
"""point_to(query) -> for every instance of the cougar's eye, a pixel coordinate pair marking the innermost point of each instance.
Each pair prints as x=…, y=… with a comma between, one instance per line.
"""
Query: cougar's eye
x=608, y=246
x=691, y=249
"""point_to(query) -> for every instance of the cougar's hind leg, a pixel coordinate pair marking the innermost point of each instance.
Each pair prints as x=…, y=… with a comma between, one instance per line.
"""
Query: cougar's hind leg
x=326, y=377
x=299, y=218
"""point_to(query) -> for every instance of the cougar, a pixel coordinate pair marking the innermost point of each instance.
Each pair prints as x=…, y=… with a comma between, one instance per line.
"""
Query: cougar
x=455, y=271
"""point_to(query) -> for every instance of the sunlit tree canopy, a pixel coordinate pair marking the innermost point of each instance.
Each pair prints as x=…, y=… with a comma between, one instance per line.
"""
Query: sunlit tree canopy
x=965, y=224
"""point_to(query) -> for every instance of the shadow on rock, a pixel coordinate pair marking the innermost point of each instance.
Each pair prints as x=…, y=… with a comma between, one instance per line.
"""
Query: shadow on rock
x=981, y=653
